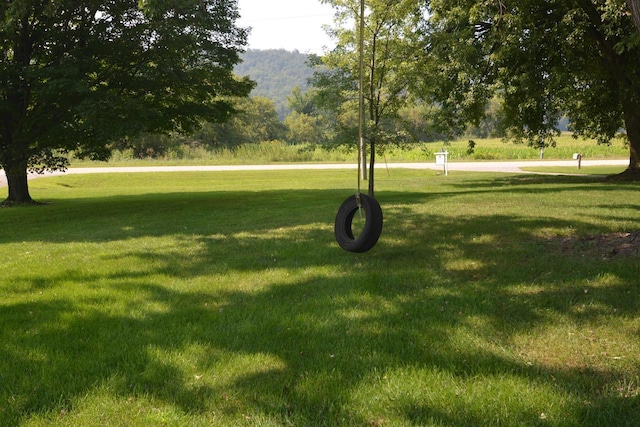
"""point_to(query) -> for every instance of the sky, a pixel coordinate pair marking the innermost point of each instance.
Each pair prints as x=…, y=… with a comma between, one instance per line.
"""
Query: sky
x=287, y=24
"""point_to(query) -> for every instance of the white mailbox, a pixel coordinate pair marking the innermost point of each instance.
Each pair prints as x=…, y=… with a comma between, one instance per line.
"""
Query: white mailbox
x=578, y=157
x=442, y=159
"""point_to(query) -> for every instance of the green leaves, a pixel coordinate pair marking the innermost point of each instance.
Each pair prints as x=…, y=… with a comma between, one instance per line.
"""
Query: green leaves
x=88, y=73
x=545, y=60
x=390, y=49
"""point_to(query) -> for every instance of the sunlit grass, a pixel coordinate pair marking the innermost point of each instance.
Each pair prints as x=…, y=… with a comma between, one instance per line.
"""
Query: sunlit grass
x=222, y=299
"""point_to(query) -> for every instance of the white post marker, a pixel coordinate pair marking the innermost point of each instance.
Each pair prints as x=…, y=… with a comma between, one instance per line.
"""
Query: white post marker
x=442, y=159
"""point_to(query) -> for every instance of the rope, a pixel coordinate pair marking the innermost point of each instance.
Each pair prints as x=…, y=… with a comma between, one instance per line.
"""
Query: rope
x=361, y=159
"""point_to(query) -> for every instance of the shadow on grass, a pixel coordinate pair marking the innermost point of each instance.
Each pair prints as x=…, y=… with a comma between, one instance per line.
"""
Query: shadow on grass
x=540, y=184
x=333, y=331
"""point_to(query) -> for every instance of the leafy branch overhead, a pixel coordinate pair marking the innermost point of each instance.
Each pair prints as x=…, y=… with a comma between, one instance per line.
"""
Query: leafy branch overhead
x=78, y=75
x=544, y=61
x=541, y=62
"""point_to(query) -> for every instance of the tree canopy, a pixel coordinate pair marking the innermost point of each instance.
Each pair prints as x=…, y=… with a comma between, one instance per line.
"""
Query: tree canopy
x=543, y=62
x=78, y=75
x=579, y=58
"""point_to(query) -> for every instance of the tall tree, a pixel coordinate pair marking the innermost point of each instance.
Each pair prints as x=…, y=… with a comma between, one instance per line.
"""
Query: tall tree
x=545, y=59
x=389, y=50
x=301, y=102
x=305, y=122
x=255, y=121
x=76, y=75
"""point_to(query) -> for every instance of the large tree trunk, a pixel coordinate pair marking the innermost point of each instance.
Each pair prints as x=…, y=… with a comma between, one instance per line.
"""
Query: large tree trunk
x=634, y=5
x=632, y=125
x=18, y=185
x=18, y=190
x=633, y=133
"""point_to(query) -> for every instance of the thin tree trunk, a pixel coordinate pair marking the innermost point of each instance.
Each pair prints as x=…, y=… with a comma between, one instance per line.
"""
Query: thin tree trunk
x=372, y=166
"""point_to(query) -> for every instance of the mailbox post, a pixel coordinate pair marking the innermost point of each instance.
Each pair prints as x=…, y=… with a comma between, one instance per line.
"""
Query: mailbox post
x=578, y=157
x=442, y=159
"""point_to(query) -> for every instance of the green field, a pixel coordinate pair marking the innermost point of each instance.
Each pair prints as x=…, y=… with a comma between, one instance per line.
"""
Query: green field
x=280, y=152
x=199, y=299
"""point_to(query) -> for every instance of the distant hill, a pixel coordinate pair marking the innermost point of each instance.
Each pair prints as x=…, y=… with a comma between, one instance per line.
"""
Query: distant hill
x=277, y=72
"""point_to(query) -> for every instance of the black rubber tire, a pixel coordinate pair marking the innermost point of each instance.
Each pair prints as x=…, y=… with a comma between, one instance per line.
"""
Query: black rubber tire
x=372, y=228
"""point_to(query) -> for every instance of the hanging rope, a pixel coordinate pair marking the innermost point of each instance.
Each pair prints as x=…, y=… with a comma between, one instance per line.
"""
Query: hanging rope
x=361, y=150
x=364, y=204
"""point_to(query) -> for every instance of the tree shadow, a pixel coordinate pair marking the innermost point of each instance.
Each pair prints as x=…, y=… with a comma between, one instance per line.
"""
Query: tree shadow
x=541, y=184
x=396, y=307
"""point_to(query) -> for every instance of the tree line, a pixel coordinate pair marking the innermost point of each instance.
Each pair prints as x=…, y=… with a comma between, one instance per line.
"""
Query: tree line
x=257, y=119
x=456, y=74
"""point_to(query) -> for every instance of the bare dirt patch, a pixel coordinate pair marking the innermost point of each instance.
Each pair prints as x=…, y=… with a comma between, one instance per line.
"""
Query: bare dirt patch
x=607, y=246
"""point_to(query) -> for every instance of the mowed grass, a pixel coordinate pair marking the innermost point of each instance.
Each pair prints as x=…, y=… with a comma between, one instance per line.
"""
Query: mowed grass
x=222, y=298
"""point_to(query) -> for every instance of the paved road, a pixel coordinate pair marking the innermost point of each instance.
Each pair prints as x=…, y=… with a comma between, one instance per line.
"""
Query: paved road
x=507, y=167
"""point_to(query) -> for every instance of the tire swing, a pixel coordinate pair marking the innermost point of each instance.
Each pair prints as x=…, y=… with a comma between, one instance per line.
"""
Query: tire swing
x=365, y=206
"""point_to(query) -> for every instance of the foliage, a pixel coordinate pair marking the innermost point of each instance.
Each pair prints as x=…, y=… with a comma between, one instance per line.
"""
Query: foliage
x=78, y=75
x=305, y=123
x=301, y=102
x=544, y=60
x=303, y=128
x=388, y=51
x=151, y=145
x=223, y=299
x=256, y=120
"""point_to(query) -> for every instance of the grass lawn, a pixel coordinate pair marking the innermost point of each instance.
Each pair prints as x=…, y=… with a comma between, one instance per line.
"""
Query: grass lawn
x=221, y=298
